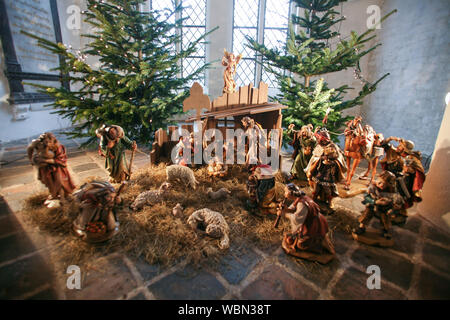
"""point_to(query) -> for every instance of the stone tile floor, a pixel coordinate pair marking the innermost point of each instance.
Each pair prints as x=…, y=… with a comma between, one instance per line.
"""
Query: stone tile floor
x=417, y=267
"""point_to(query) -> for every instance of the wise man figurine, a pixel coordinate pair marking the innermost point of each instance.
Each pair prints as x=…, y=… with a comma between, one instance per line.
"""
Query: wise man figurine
x=229, y=61
x=309, y=237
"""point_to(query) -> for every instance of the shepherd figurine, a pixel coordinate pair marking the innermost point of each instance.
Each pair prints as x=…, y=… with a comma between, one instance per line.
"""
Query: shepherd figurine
x=113, y=143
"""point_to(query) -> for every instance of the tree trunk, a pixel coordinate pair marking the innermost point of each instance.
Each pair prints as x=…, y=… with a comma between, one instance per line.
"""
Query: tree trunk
x=307, y=81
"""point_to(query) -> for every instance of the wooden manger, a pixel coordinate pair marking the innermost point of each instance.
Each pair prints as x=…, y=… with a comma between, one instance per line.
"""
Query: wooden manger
x=224, y=112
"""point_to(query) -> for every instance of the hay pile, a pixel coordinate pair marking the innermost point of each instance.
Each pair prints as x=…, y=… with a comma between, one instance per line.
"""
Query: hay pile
x=153, y=233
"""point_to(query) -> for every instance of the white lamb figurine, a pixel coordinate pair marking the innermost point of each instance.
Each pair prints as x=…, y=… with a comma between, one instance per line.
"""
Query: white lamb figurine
x=150, y=197
x=185, y=174
x=211, y=223
x=219, y=194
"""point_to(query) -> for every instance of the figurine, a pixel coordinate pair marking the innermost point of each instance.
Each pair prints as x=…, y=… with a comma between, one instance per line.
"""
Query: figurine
x=309, y=228
x=359, y=144
x=229, y=61
x=381, y=199
x=50, y=157
x=97, y=221
x=211, y=223
x=325, y=169
x=180, y=158
x=256, y=133
x=113, y=143
x=217, y=168
x=394, y=158
x=409, y=184
x=261, y=190
x=304, y=143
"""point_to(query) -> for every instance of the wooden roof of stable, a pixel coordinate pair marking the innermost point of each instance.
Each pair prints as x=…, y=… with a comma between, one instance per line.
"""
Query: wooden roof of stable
x=239, y=110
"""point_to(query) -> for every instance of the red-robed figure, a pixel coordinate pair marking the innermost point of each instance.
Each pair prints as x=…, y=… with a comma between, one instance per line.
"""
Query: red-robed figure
x=309, y=228
x=50, y=157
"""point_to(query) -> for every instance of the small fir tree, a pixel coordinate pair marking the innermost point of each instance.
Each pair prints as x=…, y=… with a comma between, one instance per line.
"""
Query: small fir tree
x=309, y=53
x=138, y=83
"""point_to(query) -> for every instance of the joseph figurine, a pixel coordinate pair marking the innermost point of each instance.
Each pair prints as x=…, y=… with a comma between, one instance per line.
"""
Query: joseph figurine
x=113, y=144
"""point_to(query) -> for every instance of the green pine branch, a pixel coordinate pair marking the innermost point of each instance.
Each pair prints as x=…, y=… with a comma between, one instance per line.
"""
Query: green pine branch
x=315, y=50
x=138, y=83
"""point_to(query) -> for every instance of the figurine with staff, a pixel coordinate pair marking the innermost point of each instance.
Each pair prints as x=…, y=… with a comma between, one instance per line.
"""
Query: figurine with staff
x=113, y=144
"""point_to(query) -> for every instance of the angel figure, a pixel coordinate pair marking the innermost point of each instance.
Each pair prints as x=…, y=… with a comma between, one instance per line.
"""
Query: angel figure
x=229, y=61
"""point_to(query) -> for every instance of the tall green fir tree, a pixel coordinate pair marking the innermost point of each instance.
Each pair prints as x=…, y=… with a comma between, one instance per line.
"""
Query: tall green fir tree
x=314, y=47
x=137, y=82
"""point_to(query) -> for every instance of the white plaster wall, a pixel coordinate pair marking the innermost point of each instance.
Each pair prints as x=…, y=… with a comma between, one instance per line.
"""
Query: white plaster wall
x=219, y=13
x=36, y=121
x=355, y=13
x=38, y=118
x=435, y=205
x=416, y=50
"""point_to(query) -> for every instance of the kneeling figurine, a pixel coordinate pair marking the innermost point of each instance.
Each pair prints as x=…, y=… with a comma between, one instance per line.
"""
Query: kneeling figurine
x=97, y=221
x=383, y=200
x=308, y=238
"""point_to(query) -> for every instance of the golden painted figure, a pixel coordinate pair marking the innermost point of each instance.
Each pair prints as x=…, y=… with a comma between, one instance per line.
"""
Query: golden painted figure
x=229, y=61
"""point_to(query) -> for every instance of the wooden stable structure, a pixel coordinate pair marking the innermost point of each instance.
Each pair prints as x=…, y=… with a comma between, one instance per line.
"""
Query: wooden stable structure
x=224, y=112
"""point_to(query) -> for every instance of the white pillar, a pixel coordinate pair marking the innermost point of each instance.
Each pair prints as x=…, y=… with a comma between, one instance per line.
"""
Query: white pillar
x=219, y=13
x=436, y=190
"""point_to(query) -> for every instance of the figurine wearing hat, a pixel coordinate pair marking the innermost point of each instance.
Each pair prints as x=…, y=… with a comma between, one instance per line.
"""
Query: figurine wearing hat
x=113, y=144
x=325, y=169
x=97, y=220
x=382, y=200
x=414, y=177
x=304, y=143
x=308, y=238
x=394, y=158
x=409, y=184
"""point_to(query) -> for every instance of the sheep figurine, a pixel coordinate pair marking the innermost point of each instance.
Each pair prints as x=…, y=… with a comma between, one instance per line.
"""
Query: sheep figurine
x=177, y=211
x=150, y=197
x=211, y=223
x=219, y=194
x=185, y=174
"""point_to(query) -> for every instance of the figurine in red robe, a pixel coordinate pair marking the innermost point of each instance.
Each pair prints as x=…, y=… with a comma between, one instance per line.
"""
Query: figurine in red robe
x=50, y=157
x=309, y=228
x=409, y=184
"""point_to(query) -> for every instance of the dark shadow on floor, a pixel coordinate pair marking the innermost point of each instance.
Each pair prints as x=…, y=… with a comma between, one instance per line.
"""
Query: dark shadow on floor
x=23, y=275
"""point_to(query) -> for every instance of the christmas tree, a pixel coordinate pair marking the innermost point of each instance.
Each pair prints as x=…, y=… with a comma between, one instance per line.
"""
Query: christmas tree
x=138, y=84
x=315, y=50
